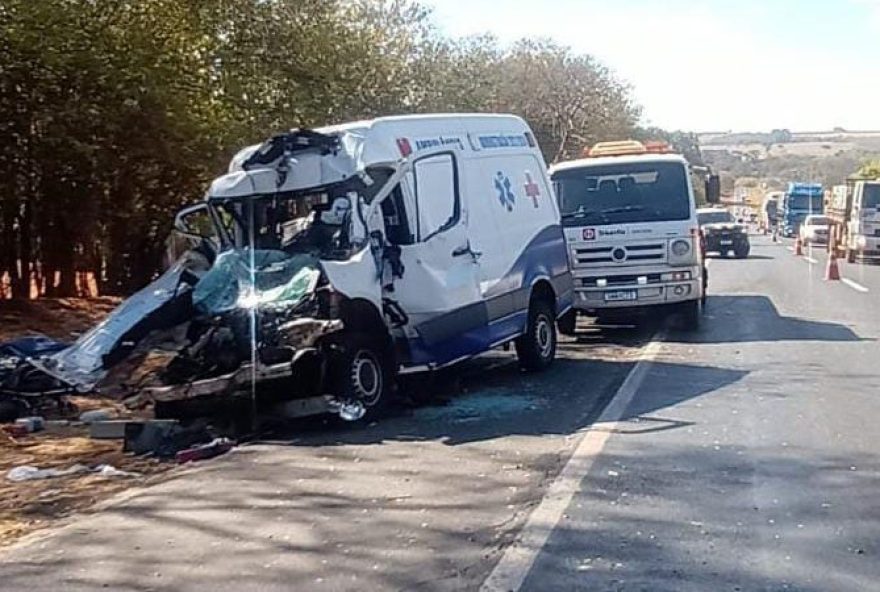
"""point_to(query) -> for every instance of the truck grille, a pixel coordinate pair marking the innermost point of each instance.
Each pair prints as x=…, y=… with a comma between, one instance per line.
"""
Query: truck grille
x=586, y=255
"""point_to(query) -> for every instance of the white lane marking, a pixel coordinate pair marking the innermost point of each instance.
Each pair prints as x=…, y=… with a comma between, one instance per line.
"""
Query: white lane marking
x=790, y=249
x=854, y=285
x=810, y=260
x=511, y=571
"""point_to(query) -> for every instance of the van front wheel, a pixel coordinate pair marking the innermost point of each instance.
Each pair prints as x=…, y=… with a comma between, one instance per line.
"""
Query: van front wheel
x=536, y=348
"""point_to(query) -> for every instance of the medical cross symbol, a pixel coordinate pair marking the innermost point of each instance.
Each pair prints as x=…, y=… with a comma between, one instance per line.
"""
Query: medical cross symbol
x=532, y=189
x=505, y=193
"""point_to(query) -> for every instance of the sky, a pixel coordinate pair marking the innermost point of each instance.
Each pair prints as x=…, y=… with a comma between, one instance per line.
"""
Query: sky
x=711, y=65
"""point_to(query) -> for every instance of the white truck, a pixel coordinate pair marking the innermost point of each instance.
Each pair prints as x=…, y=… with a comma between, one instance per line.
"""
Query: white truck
x=854, y=213
x=327, y=261
x=632, y=233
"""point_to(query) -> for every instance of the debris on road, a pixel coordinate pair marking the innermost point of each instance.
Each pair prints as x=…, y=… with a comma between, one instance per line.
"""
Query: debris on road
x=214, y=448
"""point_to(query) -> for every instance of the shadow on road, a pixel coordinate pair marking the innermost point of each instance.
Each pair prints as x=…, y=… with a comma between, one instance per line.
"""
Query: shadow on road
x=665, y=518
x=739, y=319
x=482, y=402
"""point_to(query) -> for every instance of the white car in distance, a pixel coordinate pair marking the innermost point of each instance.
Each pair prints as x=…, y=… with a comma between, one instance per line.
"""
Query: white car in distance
x=814, y=230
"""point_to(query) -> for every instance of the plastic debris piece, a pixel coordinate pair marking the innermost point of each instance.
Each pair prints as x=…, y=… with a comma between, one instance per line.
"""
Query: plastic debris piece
x=111, y=471
x=15, y=430
x=351, y=410
x=29, y=473
x=94, y=415
x=32, y=424
x=213, y=448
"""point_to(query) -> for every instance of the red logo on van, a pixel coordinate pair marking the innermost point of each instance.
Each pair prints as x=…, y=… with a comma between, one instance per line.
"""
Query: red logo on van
x=589, y=234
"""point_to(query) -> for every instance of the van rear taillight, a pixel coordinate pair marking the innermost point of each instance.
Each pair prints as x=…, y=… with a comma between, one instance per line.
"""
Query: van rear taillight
x=404, y=146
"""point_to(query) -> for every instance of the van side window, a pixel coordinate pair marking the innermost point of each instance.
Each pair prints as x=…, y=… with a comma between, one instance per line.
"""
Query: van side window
x=436, y=189
x=397, y=230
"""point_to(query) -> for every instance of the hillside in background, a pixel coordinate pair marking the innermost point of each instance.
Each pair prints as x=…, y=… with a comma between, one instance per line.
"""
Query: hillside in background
x=781, y=156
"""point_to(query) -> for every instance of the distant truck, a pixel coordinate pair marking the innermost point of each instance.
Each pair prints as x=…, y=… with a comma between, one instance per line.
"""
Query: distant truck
x=799, y=201
x=854, y=211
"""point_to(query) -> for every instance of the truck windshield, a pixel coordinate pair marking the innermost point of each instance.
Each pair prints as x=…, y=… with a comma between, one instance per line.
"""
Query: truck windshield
x=871, y=198
x=623, y=193
x=802, y=202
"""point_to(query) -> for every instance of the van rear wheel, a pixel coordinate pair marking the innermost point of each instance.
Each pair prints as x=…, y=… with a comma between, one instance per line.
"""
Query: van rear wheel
x=536, y=348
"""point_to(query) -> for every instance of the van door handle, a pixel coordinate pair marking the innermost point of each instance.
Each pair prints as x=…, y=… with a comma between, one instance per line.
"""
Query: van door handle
x=466, y=250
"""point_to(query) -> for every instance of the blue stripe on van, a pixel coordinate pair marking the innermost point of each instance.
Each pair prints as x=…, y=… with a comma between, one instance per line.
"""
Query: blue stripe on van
x=504, y=307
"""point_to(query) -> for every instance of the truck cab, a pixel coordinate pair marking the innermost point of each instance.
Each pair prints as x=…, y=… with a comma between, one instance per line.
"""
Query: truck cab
x=854, y=210
x=799, y=201
x=631, y=230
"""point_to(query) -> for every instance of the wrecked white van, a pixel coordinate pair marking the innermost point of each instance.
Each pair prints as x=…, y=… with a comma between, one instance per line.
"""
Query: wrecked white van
x=325, y=262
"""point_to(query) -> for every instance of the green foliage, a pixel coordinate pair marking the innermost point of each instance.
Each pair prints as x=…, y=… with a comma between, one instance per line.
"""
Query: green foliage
x=870, y=169
x=114, y=114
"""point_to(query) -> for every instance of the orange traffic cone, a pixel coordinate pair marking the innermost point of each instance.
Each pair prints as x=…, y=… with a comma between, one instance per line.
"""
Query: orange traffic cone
x=831, y=271
x=798, y=247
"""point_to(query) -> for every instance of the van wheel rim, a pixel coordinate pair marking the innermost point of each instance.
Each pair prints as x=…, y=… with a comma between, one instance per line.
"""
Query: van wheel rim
x=544, y=336
x=366, y=378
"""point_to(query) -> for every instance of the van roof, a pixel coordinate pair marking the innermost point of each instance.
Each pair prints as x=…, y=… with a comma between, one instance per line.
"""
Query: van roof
x=472, y=121
x=606, y=160
x=370, y=142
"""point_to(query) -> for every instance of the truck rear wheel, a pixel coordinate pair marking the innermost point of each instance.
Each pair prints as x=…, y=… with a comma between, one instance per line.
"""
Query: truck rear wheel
x=536, y=348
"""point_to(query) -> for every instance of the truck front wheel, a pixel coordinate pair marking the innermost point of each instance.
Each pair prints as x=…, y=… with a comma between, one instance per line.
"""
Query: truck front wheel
x=691, y=313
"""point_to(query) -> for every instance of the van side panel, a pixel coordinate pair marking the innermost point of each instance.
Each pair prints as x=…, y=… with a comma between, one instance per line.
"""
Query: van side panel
x=514, y=235
x=517, y=212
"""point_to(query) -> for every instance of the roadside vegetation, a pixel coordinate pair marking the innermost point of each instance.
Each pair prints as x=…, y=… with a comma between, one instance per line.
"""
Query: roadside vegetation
x=114, y=114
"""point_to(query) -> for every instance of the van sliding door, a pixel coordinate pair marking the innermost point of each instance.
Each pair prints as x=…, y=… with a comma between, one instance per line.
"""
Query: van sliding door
x=439, y=290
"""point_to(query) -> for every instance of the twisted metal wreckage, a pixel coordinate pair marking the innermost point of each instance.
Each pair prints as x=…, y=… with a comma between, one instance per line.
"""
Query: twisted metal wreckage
x=250, y=299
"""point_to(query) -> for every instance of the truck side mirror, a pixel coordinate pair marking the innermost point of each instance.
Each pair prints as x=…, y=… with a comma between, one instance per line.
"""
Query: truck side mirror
x=713, y=189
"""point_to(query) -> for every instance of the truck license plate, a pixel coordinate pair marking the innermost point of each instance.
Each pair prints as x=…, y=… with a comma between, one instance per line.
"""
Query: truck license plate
x=621, y=295
x=724, y=243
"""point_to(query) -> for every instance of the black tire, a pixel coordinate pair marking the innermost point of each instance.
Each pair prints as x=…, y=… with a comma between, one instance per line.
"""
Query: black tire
x=691, y=315
x=361, y=371
x=705, y=286
x=742, y=251
x=536, y=348
x=567, y=323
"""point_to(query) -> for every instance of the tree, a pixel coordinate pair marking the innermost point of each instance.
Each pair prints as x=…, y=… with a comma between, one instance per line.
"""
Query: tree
x=114, y=114
x=870, y=169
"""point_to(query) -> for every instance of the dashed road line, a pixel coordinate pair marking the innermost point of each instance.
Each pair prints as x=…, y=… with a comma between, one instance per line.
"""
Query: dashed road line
x=511, y=571
x=854, y=285
x=810, y=260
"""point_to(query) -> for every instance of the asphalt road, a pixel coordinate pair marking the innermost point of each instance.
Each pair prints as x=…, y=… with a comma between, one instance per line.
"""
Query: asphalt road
x=743, y=461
